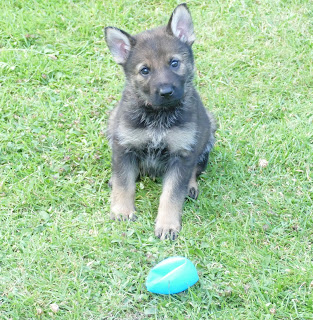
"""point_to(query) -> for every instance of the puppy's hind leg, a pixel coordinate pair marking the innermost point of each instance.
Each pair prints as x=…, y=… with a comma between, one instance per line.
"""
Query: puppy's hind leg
x=193, y=190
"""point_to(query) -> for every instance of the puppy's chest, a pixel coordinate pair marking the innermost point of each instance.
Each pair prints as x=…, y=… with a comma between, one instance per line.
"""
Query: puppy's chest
x=157, y=143
x=153, y=158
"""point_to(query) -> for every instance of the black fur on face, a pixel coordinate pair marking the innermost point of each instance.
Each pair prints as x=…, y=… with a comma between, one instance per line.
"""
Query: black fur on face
x=158, y=68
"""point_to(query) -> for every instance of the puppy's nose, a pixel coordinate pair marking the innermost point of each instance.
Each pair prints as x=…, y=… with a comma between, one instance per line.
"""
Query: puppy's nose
x=166, y=90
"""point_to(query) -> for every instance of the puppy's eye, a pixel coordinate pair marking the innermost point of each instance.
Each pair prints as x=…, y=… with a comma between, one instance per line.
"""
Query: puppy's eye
x=145, y=71
x=174, y=63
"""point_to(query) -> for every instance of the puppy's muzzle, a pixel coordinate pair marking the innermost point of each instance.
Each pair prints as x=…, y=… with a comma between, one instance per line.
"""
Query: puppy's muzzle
x=166, y=91
x=168, y=95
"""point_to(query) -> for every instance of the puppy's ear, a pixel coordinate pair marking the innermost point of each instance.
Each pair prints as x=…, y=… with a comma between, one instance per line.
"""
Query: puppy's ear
x=180, y=25
x=119, y=43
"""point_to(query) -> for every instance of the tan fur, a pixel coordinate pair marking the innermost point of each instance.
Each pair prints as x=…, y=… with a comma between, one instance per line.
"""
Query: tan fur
x=122, y=201
x=132, y=137
x=181, y=138
x=177, y=139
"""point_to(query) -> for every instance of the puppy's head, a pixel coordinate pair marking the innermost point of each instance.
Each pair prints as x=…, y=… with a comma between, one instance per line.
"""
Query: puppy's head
x=158, y=63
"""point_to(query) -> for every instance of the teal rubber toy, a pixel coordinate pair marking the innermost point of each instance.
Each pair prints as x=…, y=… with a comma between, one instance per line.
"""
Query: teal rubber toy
x=172, y=275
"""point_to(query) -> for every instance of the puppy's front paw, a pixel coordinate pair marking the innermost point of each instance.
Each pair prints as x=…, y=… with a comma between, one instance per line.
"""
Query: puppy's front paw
x=122, y=213
x=167, y=230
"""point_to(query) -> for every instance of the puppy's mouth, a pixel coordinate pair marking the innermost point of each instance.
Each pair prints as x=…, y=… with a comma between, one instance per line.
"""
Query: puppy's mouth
x=169, y=104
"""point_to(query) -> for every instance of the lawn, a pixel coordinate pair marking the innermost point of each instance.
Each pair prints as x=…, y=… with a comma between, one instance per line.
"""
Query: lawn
x=250, y=233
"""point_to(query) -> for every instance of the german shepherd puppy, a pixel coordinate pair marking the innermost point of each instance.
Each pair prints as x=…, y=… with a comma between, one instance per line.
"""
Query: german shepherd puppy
x=160, y=127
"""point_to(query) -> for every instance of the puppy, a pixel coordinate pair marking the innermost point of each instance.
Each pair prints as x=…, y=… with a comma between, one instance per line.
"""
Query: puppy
x=160, y=126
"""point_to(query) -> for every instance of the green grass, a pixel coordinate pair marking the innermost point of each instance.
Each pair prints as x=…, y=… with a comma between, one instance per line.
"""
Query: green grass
x=250, y=233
